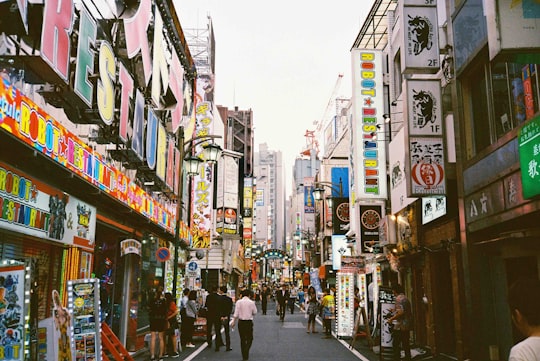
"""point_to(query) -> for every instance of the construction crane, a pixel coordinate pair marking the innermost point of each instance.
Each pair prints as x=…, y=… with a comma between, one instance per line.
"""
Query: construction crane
x=312, y=135
x=330, y=107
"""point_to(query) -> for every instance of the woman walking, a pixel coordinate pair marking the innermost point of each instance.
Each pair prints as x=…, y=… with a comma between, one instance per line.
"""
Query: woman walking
x=327, y=305
x=312, y=309
x=157, y=313
x=172, y=313
x=191, y=315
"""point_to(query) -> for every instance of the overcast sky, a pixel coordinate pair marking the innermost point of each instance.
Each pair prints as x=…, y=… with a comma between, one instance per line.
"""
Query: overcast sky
x=281, y=59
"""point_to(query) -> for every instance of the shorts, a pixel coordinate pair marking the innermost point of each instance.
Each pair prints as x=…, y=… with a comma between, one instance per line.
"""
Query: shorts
x=312, y=317
x=158, y=325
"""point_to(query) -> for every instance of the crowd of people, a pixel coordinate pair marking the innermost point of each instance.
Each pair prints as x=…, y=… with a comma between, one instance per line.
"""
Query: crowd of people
x=221, y=312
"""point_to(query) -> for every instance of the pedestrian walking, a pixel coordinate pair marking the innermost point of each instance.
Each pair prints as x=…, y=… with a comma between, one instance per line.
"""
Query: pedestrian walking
x=301, y=298
x=157, y=312
x=265, y=295
x=243, y=313
x=172, y=313
x=293, y=294
x=282, y=296
x=312, y=309
x=401, y=321
x=523, y=298
x=183, y=319
x=327, y=312
x=191, y=315
x=213, y=318
x=225, y=311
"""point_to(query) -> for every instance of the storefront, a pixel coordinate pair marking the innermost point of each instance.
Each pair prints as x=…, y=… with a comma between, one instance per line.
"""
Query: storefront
x=63, y=219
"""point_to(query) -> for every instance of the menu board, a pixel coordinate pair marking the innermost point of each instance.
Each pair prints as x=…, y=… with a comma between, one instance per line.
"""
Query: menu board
x=84, y=306
x=345, y=304
x=386, y=301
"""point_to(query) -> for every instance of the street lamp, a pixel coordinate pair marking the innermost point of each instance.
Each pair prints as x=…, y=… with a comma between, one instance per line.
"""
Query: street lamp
x=212, y=152
x=318, y=192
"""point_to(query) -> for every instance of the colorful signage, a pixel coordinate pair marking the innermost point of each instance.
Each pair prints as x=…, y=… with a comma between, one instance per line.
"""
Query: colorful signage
x=31, y=207
x=12, y=312
x=22, y=118
x=345, y=304
x=85, y=319
x=529, y=157
x=368, y=109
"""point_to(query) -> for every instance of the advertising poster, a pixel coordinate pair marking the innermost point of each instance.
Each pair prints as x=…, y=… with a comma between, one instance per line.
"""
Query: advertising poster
x=84, y=310
x=345, y=304
x=12, y=312
x=315, y=282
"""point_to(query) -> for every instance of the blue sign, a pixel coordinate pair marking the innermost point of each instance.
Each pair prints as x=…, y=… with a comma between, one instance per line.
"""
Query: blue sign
x=192, y=266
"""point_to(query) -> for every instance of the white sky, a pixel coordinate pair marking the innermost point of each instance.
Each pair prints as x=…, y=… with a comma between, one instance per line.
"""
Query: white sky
x=281, y=59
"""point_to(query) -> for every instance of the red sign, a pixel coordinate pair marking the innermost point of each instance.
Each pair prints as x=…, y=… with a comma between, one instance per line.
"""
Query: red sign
x=247, y=233
x=163, y=254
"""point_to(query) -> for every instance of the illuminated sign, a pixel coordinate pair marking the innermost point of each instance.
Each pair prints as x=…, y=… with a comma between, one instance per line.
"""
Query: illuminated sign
x=26, y=121
x=529, y=157
x=368, y=109
x=30, y=207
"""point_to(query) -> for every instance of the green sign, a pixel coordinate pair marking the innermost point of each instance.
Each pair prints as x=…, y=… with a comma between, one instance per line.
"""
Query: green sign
x=529, y=157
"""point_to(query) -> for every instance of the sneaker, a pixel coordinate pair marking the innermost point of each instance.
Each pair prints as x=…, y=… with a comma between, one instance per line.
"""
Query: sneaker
x=175, y=354
x=190, y=345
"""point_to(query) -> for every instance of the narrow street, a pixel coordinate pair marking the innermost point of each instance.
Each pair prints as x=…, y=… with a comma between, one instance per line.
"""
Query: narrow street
x=276, y=340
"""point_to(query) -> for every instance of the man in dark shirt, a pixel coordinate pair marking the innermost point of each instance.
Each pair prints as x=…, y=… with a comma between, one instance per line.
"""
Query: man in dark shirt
x=225, y=310
x=282, y=296
x=213, y=318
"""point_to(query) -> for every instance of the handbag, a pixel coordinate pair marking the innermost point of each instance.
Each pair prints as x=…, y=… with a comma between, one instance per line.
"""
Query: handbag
x=203, y=312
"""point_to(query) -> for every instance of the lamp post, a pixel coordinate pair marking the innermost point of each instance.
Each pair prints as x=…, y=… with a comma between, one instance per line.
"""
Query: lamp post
x=211, y=153
x=318, y=194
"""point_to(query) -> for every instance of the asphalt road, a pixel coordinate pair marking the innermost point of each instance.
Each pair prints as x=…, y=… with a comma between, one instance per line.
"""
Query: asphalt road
x=276, y=340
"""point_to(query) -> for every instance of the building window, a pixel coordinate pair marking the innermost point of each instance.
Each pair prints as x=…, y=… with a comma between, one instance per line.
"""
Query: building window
x=497, y=98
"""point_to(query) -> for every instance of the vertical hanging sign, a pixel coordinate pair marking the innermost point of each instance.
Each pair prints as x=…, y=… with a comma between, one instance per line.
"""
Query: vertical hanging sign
x=368, y=120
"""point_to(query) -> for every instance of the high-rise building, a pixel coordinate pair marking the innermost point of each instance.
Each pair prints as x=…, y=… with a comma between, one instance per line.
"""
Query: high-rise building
x=270, y=198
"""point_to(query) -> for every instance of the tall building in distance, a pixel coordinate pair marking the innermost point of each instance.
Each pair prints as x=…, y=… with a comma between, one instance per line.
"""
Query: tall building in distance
x=270, y=198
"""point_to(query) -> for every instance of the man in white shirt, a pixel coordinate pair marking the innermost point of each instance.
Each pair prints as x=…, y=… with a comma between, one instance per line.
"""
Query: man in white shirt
x=244, y=311
x=523, y=299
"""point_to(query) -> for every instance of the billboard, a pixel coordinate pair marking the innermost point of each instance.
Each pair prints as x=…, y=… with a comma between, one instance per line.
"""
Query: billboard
x=398, y=175
x=426, y=166
x=368, y=131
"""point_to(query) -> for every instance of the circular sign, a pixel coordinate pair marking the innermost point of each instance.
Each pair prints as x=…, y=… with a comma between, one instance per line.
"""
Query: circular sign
x=342, y=212
x=192, y=266
x=370, y=219
x=78, y=302
x=163, y=254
